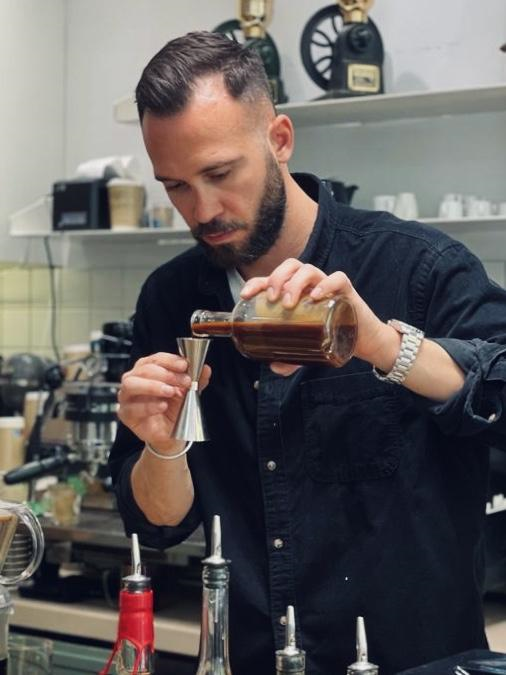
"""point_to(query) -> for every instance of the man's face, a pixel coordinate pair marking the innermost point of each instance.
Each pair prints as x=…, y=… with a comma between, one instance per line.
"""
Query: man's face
x=217, y=168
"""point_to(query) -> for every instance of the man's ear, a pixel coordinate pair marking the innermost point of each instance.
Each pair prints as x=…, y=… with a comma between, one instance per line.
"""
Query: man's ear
x=281, y=137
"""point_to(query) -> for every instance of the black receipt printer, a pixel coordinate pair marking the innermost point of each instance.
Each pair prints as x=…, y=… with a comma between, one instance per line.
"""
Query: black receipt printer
x=81, y=205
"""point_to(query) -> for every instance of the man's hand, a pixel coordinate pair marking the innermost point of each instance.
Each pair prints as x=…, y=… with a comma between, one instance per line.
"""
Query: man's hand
x=292, y=279
x=151, y=395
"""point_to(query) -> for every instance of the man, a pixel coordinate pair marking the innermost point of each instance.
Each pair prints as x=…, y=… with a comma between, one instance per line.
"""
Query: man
x=340, y=493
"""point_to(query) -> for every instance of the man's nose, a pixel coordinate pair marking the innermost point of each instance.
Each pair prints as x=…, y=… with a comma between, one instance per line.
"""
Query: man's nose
x=206, y=206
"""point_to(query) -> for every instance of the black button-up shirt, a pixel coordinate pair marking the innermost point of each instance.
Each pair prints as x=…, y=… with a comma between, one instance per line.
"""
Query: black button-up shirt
x=340, y=494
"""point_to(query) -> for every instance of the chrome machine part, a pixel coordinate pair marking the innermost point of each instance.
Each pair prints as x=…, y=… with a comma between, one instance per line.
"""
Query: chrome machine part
x=91, y=409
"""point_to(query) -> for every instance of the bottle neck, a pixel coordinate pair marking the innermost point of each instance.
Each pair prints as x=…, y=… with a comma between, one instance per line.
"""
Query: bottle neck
x=214, y=656
x=205, y=323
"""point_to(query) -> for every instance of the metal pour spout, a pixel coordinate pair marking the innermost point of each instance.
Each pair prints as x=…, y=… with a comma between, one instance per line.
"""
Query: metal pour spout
x=362, y=665
x=190, y=425
x=290, y=660
x=136, y=581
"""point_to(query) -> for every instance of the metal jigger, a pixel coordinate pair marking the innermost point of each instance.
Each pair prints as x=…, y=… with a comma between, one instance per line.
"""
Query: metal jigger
x=190, y=424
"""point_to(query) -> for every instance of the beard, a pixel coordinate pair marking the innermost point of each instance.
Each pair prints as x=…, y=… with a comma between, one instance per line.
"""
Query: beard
x=267, y=226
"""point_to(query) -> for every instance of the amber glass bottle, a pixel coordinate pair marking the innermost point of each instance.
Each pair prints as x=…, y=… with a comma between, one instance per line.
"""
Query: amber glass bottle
x=322, y=331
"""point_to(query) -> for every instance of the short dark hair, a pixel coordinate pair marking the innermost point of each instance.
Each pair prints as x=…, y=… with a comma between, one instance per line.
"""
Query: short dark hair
x=168, y=81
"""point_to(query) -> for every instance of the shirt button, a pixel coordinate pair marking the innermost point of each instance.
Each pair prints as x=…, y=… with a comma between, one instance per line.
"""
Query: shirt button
x=271, y=465
x=278, y=543
x=282, y=620
x=256, y=384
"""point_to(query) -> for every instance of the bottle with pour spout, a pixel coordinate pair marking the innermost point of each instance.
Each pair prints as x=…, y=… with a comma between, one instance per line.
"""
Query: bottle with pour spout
x=133, y=651
x=314, y=331
x=214, y=657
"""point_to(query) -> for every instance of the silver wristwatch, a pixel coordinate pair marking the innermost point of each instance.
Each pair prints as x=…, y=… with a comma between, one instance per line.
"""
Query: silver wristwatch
x=411, y=340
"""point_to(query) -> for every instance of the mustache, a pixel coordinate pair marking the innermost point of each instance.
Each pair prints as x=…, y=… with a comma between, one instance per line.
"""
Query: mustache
x=216, y=226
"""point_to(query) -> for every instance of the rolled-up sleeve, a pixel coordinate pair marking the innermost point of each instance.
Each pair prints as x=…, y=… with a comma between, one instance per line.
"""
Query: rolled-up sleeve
x=479, y=405
x=465, y=313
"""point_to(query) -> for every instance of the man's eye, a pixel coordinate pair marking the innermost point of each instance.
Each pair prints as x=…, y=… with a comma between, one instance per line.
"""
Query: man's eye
x=219, y=176
x=170, y=187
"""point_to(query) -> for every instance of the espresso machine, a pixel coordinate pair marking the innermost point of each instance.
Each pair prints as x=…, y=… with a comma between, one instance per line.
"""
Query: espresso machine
x=76, y=422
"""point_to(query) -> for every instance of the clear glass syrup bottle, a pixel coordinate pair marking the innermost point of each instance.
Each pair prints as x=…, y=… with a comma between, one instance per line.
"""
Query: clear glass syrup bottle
x=323, y=331
x=214, y=658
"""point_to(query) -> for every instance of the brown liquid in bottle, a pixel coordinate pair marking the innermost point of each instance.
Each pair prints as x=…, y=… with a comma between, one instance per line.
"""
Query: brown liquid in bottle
x=295, y=342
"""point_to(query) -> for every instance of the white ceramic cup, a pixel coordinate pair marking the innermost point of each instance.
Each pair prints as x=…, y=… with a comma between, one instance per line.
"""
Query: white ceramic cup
x=479, y=208
x=406, y=206
x=501, y=209
x=384, y=203
x=451, y=208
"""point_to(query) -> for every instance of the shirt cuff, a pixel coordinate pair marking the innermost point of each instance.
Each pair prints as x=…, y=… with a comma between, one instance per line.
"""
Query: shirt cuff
x=479, y=404
x=134, y=520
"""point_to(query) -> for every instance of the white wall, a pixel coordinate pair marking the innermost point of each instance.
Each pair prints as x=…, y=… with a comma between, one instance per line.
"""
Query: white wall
x=32, y=132
x=64, y=62
x=429, y=45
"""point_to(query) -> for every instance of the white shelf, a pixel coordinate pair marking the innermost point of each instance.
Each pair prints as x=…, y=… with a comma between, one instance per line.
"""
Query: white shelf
x=159, y=236
x=181, y=237
x=468, y=225
x=373, y=109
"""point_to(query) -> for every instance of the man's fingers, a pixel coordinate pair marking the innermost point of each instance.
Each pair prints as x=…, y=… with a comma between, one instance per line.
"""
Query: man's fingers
x=305, y=277
x=133, y=386
x=165, y=360
x=336, y=283
x=254, y=286
x=281, y=275
x=152, y=371
x=140, y=408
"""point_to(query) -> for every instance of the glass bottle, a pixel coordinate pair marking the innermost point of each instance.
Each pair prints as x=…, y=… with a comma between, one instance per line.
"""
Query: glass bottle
x=291, y=660
x=133, y=651
x=322, y=331
x=362, y=666
x=5, y=610
x=214, y=659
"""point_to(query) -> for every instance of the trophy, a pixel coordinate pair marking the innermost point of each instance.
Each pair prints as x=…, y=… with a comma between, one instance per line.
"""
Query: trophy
x=251, y=30
x=342, y=50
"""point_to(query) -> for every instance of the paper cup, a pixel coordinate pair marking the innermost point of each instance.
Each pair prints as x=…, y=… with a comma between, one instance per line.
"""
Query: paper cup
x=126, y=203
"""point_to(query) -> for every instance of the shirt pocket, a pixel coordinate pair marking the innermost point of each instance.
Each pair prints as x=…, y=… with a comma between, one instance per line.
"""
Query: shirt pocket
x=351, y=428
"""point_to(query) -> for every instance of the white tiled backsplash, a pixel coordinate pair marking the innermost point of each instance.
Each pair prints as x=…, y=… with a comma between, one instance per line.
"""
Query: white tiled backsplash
x=85, y=299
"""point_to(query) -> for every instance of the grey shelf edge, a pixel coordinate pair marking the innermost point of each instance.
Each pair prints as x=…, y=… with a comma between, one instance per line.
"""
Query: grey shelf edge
x=182, y=238
x=177, y=633
x=158, y=236
x=374, y=109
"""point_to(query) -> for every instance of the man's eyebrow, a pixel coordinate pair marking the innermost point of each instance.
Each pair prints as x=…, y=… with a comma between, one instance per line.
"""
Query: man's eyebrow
x=206, y=169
